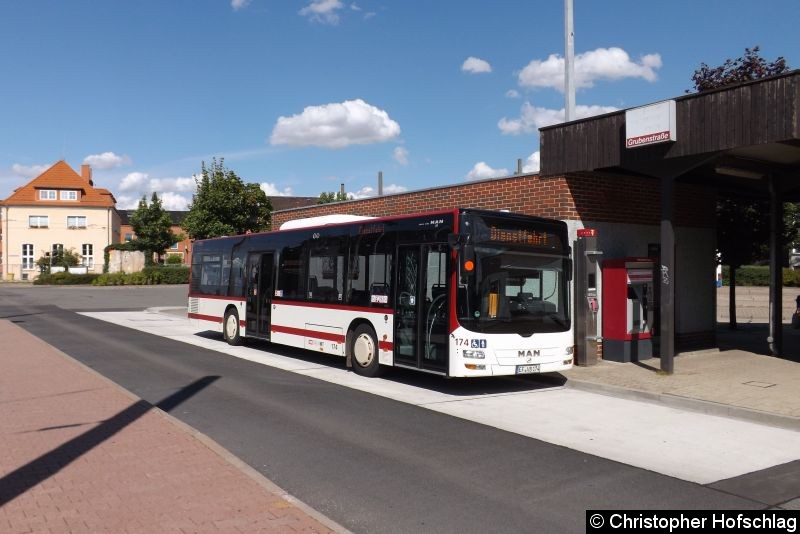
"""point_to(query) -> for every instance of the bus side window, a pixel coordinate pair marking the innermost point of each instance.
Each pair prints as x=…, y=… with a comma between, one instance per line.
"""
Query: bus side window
x=236, y=287
x=291, y=276
x=210, y=274
x=326, y=269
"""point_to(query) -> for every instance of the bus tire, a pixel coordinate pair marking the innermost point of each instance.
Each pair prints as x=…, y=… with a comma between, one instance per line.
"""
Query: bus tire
x=230, y=327
x=364, y=351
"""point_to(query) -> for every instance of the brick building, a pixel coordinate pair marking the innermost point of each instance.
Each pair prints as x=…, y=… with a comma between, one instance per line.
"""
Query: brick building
x=624, y=210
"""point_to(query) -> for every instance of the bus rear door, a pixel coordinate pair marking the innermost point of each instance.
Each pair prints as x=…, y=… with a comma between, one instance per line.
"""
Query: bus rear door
x=259, y=293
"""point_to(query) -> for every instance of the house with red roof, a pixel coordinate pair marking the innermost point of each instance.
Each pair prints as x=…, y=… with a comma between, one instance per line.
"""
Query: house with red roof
x=57, y=211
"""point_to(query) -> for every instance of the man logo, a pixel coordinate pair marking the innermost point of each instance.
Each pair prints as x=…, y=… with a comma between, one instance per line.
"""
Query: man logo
x=528, y=353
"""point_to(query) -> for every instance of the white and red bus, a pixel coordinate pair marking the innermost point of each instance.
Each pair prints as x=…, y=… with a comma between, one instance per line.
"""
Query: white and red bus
x=461, y=293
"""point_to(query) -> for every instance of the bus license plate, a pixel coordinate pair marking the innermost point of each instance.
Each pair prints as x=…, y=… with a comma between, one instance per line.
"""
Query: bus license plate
x=526, y=369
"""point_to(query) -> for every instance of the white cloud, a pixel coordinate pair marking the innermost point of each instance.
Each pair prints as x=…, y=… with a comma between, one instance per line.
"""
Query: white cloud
x=272, y=190
x=175, y=193
x=369, y=191
x=28, y=171
x=533, y=118
x=134, y=181
x=180, y=185
x=393, y=188
x=336, y=125
x=173, y=201
x=475, y=65
x=482, y=171
x=600, y=64
x=512, y=93
x=323, y=11
x=532, y=163
x=107, y=160
x=401, y=155
x=355, y=7
x=128, y=202
x=239, y=4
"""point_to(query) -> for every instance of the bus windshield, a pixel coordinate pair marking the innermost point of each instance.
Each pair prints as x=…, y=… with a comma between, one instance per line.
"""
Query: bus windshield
x=514, y=291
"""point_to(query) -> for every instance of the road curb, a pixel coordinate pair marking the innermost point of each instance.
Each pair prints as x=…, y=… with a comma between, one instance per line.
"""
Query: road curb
x=693, y=405
x=209, y=443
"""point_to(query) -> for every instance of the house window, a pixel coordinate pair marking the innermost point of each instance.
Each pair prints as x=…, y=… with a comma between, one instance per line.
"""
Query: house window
x=174, y=246
x=38, y=221
x=69, y=195
x=27, y=256
x=57, y=250
x=87, y=251
x=47, y=194
x=128, y=238
x=76, y=221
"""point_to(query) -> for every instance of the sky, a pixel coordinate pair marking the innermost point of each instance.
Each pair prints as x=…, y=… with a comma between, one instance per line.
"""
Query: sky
x=303, y=95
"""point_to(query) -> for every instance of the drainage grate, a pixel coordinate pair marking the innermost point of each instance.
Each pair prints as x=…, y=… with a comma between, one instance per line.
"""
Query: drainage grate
x=756, y=384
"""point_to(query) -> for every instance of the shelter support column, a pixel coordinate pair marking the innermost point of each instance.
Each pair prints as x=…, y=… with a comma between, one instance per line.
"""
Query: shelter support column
x=775, y=338
x=667, y=326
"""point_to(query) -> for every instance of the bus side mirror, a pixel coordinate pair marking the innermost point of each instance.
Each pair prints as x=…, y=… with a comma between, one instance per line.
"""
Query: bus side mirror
x=568, y=268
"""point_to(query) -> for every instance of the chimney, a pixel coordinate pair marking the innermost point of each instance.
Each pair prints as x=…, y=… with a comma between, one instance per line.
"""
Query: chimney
x=519, y=166
x=86, y=173
x=341, y=188
x=380, y=183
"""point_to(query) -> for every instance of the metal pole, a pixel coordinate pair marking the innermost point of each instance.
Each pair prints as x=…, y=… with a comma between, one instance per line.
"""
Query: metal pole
x=775, y=338
x=667, y=330
x=569, y=62
x=380, y=183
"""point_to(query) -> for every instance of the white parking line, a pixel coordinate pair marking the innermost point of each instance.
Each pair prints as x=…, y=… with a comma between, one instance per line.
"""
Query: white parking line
x=687, y=445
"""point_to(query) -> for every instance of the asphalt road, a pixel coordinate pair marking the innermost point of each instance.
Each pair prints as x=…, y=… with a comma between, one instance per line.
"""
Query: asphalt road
x=370, y=463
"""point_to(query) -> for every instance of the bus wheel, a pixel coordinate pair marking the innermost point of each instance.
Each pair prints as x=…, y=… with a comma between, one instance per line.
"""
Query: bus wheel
x=364, y=351
x=230, y=327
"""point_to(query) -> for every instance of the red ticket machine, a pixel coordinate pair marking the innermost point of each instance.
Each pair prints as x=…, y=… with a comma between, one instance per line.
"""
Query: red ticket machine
x=628, y=306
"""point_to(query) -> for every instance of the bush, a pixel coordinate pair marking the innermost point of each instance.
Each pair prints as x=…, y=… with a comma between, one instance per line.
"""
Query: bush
x=147, y=276
x=110, y=279
x=167, y=275
x=174, y=259
x=758, y=275
x=65, y=279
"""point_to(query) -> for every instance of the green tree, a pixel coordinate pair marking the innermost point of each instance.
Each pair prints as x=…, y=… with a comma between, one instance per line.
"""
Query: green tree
x=153, y=227
x=328, y=197
x=742, y=225
x=225, y=205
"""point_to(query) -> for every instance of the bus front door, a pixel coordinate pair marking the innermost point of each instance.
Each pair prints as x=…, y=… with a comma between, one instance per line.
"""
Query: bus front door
x=259, y=294
x=421, y=307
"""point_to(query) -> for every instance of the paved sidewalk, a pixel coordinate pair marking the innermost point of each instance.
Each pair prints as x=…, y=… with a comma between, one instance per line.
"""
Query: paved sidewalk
x=739, y=380
x=80, y=454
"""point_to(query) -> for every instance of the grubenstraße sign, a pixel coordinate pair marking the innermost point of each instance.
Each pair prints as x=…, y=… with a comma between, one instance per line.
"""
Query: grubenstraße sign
x=649, y=125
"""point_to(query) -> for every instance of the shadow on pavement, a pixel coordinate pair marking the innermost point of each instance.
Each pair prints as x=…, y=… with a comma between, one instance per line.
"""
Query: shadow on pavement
x=451, y=386
x=25, y=477
x=752, y=337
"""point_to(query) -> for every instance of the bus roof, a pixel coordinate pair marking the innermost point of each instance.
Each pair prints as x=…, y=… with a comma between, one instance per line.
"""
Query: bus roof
x=323, y=220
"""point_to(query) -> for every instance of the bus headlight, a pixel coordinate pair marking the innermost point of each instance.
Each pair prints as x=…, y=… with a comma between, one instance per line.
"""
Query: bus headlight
x=476, y=354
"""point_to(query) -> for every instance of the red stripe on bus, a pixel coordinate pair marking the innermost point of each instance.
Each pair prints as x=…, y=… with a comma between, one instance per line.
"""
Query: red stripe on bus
x=218, y=297
x=365, y=309
x=205, y=317
x=213, y=318
x=338, y=338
